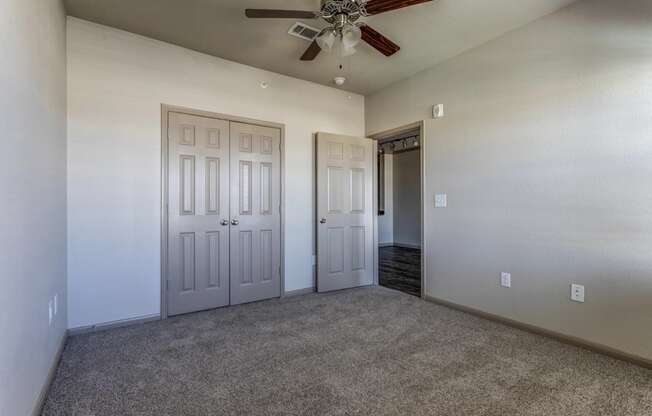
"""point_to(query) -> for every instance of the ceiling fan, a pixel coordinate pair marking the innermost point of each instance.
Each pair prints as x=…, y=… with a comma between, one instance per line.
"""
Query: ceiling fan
x=345, y=31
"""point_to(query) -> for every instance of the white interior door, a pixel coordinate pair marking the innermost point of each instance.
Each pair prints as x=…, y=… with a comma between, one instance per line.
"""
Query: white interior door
x=255, y=213
x=345, y=234
x=198, y=212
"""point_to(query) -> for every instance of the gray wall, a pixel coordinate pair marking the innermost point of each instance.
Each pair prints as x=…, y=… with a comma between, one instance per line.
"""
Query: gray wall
x=546, y=156
x=33, y=184
x=116, y=84
x=407, y=198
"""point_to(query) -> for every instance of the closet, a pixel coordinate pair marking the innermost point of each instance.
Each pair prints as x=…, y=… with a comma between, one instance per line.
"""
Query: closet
x=223, y=213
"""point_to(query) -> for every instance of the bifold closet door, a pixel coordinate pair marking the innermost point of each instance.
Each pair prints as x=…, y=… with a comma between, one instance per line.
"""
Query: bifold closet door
x=198, y=213
x=255, y=212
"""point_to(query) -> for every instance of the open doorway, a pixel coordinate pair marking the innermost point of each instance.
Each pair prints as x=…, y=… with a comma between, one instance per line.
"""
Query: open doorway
x=399, y=211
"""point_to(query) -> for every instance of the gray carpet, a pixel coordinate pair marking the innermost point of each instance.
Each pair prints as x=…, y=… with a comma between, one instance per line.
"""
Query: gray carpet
x=371, y=351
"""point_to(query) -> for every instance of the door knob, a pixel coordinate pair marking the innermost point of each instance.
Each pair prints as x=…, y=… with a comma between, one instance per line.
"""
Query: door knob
x=224, y=222
x=322, y=221
x=235, y=222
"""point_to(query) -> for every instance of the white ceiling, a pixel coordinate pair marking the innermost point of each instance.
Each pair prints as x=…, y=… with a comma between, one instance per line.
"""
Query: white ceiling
x=428, y=34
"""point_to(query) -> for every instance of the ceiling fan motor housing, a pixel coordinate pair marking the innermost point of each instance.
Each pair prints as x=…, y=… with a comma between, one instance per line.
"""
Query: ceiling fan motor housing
x=337, y=11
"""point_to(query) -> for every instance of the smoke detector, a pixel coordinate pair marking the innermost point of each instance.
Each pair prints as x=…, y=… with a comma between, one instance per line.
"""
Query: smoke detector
x=339, y=81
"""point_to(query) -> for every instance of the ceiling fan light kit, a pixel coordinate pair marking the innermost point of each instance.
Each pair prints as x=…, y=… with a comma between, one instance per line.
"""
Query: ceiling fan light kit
x=344, y=30
x=351, y=35
x=326, y=39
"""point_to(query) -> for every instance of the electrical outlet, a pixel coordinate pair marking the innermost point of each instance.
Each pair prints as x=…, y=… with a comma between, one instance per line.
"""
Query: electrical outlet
x=506, y=279
x=56, y=304
x=441, y=200
x=50, y=313
x=577, y=293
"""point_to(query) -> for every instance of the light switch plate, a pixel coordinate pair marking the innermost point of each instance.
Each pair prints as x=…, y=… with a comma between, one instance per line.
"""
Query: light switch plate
x=441, y=201
x=577, y=293
x=506, y=279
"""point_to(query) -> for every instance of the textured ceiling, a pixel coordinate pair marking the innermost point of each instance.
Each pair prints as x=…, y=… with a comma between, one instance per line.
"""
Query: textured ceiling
x=428, y=34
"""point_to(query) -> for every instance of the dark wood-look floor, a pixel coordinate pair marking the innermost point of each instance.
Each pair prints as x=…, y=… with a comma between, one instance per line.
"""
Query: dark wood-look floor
x=400, y=269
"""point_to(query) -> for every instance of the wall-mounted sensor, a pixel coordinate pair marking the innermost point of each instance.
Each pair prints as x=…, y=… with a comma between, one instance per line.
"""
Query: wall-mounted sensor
x=438, y=111
x=339, y=81
x=264, y=85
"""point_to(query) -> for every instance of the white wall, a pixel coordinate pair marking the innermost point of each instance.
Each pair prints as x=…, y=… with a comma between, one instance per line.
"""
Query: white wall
x=546, y=156
x=407, y=198
x=116, y=84
x=386, y=222
x=33, y=209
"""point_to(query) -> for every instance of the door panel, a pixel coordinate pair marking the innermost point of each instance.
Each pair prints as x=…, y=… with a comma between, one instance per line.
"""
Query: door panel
x=212, y=186
x=198, y=245
x=256, y=228
x=344, y=210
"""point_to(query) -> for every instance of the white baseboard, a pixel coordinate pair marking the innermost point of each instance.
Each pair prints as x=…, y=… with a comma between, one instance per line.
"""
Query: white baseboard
x=299, y=292
x=40, y=401
x=408, y=245
x=404, y=245
x=114, y=324
x=567, y=339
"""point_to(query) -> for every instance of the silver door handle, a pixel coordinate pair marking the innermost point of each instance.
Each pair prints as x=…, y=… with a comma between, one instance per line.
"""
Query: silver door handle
x=224, y=222
x=322, y=221
x=235, y=222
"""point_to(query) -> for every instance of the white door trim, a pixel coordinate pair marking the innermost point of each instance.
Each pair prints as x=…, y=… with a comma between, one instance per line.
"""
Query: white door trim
x=165, y=110
x=421, y=126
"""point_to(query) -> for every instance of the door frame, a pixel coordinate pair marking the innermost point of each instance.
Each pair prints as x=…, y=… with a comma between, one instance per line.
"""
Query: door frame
x=418, y=125
x=165, y=110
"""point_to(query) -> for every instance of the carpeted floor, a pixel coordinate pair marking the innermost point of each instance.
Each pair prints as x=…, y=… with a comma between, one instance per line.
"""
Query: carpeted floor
x=400, y=269
x=369, y=351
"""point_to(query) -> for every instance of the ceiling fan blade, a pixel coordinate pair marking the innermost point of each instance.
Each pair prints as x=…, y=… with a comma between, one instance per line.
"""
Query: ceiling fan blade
x=378, y=41
x=382, y=6
x=312, y=52
x=279, y=14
